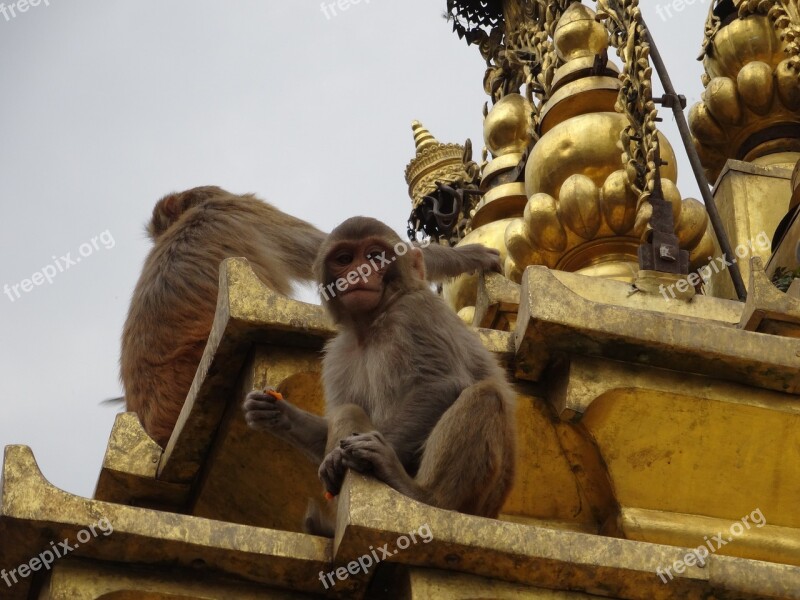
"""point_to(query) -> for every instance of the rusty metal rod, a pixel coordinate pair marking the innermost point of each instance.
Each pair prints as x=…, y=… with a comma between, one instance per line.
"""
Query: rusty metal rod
x=672, y=100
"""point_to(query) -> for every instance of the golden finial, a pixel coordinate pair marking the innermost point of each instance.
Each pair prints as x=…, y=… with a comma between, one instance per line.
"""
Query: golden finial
x=578, y=34
x=434, y=161
x=422, y=137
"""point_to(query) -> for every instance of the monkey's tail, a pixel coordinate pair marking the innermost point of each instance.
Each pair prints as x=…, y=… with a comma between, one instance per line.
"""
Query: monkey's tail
x=119, y=402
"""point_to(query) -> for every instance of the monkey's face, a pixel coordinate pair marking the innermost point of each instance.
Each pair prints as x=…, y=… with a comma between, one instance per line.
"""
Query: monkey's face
x=357, y=274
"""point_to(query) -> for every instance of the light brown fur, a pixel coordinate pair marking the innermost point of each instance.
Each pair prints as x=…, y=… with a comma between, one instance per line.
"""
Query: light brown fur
x=173, y=304
x=412, y=396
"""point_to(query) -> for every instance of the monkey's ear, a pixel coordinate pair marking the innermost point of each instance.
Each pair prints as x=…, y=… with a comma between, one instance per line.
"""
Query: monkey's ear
x=172, y=205
x=417, y=263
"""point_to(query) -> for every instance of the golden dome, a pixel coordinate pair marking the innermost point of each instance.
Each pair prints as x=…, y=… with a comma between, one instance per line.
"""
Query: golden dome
x=506, y=129
x=749, y=109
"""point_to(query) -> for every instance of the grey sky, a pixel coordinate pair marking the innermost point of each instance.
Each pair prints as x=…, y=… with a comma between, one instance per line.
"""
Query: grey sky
x=106, y=106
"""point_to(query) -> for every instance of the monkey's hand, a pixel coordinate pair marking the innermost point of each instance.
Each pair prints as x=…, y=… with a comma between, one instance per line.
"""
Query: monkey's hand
x=267, y=411
x=478, y=257
x=370, y=454
x=332, y=470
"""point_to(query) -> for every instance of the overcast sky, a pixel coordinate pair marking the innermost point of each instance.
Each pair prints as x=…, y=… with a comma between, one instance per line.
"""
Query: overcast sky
x=107, y=106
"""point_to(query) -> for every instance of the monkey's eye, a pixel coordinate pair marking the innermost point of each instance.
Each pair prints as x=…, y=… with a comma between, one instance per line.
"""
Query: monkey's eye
x=375, y=254
x=343, y=258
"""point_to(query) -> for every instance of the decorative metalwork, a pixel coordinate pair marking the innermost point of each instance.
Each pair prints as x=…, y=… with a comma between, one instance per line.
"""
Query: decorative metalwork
x=712, y=26
x=786, y=17
x=623, y=19
x=443, y=185
x=473, y=19
x=518, y=53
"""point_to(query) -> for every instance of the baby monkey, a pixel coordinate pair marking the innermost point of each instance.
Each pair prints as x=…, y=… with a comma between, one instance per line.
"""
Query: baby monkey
x=412, y=396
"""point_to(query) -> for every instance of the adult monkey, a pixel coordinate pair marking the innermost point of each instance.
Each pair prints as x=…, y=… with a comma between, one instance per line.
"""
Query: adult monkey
x=173, y=304
x=412, y=396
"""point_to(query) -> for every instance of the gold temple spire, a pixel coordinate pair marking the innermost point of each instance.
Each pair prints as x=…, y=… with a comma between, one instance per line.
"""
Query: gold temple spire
x=422, y=137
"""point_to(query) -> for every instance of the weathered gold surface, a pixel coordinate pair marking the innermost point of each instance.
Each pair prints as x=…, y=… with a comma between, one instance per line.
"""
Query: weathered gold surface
x=654, y=430
x=371, y=514
x=565, y=312
x=592, y=94
x=33, y=513
x=498, y=302
x=752, y=200
x=130, y=466
x=686, y=446
x=560, y=480
x=758, y=541
x=768, y=309
x=497, y=167
x=93, y=580
x=433, y=584
x=273, y=479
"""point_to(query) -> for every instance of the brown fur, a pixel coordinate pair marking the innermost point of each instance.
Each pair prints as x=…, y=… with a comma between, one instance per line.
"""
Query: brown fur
x=173, y=304
x=413, y=398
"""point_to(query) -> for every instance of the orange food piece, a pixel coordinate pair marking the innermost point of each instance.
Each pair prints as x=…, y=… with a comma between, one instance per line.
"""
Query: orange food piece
x=329, y=496
x=274, y=394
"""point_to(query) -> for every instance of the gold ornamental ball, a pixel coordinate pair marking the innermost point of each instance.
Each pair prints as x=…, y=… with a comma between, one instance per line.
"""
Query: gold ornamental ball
x=692, y=223
x=578, y=34
x=741, y=42
x=506, y=127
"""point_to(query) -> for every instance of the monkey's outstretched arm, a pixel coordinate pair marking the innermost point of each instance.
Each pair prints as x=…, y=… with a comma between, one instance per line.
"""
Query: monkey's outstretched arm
x=442, y=262
x=306, y=431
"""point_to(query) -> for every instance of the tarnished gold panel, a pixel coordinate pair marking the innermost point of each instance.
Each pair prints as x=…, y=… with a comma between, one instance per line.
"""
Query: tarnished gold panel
x=432, y=584
x=768, y=309
x=751, y=200
x=34, y=513
x=560, y=477
x=130, y=466
x=563, y=312
x=93, y=580
x=497, y=302
x=372, y=514
x=758, y=539
x=668, y=451
x=273, y=480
